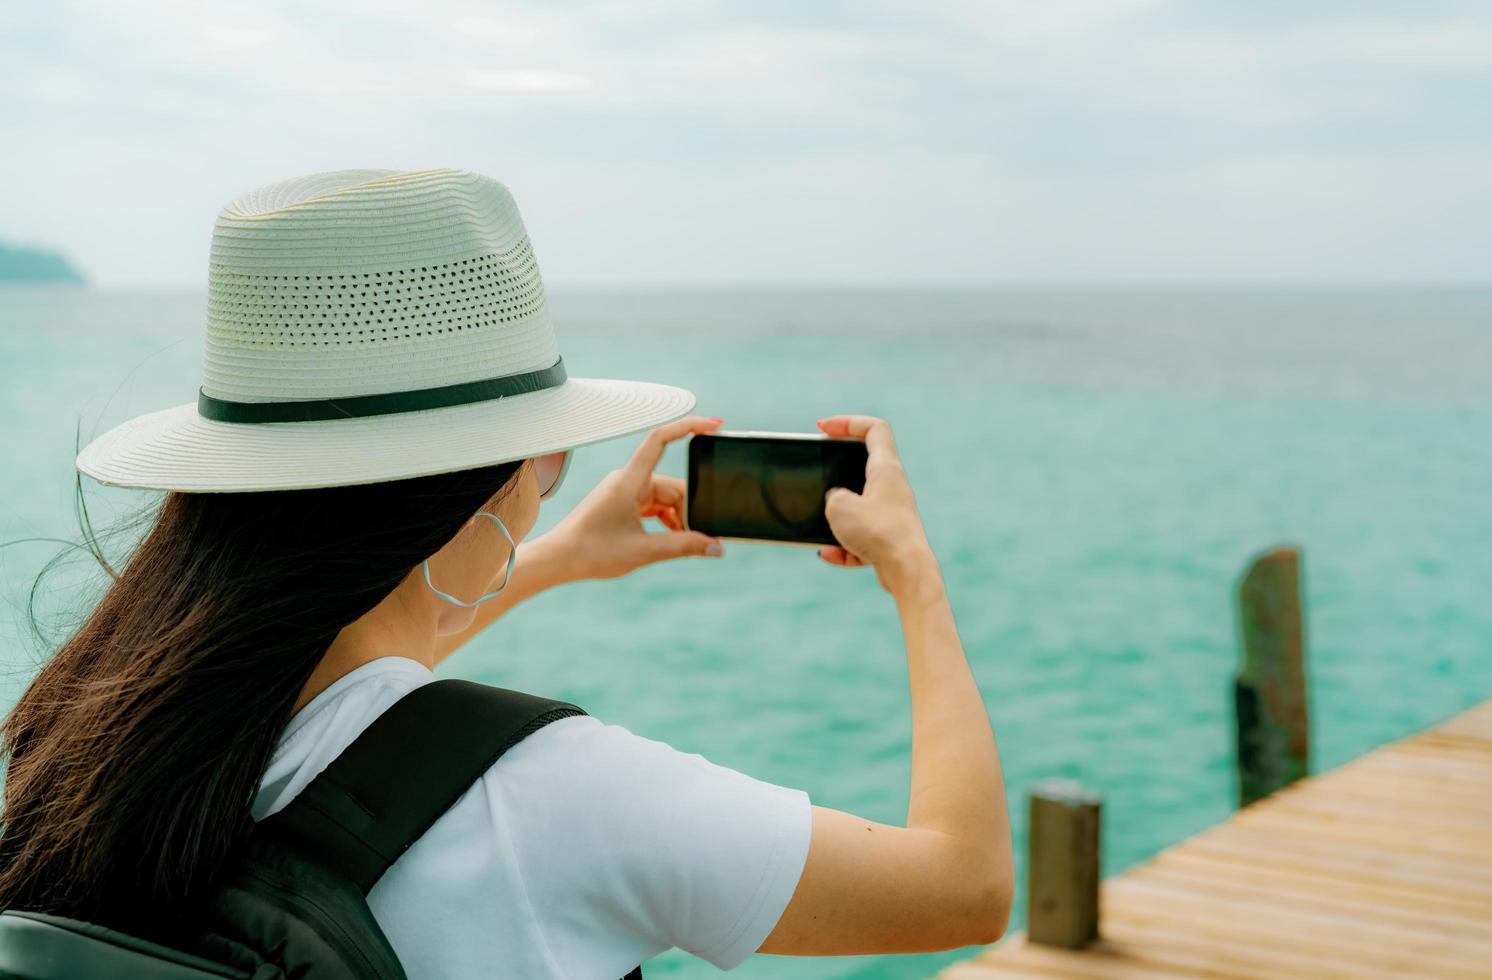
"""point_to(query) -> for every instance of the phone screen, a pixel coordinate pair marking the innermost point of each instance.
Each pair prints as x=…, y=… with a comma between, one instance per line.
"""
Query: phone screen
x=769, y=487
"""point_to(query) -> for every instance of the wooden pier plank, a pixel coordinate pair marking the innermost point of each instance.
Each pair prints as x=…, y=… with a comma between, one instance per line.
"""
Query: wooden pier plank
x=1276, y=877
x=1254, y=954
x=1381, y=868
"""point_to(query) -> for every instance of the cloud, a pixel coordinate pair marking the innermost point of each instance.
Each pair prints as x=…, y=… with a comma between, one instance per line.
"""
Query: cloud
x=411, y=58
x=237, y=37
x=526, y=80
x=491, y=29
x=778, y=140
x=1022, y=22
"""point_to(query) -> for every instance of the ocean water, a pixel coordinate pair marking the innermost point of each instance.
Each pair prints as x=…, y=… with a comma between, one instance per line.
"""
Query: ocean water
x=1095, y=468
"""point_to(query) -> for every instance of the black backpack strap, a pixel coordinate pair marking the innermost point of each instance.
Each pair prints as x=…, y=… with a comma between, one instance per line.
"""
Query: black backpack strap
x=406, y=769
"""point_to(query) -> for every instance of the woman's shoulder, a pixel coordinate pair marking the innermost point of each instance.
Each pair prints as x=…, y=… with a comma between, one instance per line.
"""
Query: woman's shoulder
x=329, y=723
x=607, y=755
x=584, y=753
x=678, y=849
x=584, y=777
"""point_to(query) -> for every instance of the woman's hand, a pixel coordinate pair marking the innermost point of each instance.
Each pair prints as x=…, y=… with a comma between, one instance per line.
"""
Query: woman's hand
x=879, y=526
x=604, y=537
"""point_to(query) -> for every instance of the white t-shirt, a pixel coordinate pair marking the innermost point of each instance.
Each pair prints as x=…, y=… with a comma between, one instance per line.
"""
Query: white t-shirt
x=582, y=852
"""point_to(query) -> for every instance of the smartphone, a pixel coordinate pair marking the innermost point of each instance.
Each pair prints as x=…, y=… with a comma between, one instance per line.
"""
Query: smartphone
x=769, y=486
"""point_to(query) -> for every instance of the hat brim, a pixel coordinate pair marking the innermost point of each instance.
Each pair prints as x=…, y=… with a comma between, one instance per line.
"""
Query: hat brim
x=178, y=449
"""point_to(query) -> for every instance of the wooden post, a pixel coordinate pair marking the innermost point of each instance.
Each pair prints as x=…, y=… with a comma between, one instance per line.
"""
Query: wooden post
x=1062, y=867
x=1270, y=691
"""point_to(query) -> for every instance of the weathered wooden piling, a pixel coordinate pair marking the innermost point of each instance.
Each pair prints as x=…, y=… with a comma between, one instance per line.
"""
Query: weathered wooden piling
x=1378, y=870
x=1062, y=869
x=1270, y=690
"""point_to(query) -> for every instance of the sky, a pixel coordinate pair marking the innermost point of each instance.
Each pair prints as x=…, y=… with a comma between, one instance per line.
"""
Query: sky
x=665, y=143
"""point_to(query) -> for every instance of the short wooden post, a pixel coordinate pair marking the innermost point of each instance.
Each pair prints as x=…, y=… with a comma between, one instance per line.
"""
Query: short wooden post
x=1270, y=690
x=1062, y=868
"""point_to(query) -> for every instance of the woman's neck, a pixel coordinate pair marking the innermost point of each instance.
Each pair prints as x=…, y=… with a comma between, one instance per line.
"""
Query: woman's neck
x=393, y=628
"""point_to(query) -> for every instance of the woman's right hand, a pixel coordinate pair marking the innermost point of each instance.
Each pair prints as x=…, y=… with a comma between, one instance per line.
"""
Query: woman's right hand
x=880, y=526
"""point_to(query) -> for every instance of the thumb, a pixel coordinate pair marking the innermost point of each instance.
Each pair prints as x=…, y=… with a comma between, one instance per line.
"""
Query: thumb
x=837, y=498
x=684, y=544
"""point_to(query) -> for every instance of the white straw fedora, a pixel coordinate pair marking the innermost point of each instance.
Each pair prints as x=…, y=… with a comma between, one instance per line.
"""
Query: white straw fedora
x=372, y=325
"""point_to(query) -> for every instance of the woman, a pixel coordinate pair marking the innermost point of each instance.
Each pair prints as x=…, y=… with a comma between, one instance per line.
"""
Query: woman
x=383, y=408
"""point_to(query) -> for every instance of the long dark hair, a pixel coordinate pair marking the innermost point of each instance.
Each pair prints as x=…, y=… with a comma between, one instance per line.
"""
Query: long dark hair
x=134, y=756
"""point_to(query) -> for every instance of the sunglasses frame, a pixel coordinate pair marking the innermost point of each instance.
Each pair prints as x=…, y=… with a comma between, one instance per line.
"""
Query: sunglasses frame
x=558, y=480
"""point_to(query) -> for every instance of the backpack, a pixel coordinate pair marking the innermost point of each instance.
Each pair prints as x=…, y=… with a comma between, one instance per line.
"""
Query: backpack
x=293, y=905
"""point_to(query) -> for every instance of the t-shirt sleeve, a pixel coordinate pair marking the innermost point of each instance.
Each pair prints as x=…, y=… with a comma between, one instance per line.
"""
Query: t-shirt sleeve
x=644, y=840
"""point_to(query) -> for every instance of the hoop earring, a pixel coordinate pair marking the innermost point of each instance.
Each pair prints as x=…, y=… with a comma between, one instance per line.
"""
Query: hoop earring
x=507, y=574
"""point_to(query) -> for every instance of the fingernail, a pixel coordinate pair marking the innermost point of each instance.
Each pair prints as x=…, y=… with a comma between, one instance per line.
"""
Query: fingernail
x=714, y=549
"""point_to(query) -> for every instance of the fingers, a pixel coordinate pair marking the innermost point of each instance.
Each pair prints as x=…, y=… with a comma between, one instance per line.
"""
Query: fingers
x=665, y=501
x=835, y=500
x=876, y=432
x=669, y=491
x=667, y=516
x=835, y=555
x=684, y=544
x=645, y=459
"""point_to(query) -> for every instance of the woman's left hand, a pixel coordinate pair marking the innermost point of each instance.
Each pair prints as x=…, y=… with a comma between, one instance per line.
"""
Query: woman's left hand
x=604, y=537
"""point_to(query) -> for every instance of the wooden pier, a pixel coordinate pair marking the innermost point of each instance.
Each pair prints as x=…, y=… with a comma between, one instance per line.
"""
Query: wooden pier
x=1381, y=868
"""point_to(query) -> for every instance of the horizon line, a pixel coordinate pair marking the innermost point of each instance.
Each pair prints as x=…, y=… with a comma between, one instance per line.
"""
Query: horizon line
x=631, y=286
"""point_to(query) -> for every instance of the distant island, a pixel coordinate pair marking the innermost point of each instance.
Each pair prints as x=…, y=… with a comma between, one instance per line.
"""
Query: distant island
x=19, y=264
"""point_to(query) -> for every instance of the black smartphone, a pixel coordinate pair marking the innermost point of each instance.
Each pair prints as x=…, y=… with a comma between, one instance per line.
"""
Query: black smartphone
x=769, y=486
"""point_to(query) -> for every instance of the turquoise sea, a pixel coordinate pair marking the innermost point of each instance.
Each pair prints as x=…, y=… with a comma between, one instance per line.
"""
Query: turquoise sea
x=1095, y=467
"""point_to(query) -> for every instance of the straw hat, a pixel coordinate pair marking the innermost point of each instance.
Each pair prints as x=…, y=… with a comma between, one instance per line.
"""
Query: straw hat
x=371, y=325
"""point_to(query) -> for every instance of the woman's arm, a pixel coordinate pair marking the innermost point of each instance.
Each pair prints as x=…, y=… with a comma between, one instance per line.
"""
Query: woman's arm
x=946, y=878
x=604, y=535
